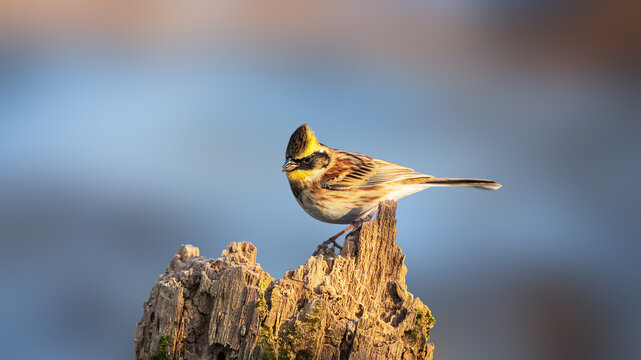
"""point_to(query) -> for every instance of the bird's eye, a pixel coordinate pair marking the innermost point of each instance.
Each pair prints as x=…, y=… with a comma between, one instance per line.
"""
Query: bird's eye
x=307, y=160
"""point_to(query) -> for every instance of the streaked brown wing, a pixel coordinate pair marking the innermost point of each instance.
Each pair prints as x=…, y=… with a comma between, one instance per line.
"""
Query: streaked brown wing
x=357, y=170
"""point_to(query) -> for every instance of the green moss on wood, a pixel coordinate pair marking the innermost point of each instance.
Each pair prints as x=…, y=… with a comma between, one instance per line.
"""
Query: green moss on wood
x=305, y=354
x=297, y=340
x=268, y=352
x=422, y=324
x=162, y=352
x=262, y=287
x=314, y=316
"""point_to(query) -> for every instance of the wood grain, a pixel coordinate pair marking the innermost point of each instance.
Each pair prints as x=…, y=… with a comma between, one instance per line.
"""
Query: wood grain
x=354, y=305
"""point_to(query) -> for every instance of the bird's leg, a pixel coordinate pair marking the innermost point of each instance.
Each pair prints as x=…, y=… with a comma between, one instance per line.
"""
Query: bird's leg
x=356, y=225
x=332, y=240
x=370, y=215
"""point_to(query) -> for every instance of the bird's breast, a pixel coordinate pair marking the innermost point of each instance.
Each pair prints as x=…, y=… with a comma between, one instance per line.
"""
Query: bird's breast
x=336, y=207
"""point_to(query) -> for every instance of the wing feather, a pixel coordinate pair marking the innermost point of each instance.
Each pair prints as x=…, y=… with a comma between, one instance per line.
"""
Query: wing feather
x=355, y=170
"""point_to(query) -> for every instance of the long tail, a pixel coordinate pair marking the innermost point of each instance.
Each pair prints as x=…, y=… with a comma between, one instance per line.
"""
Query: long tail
x=474, y=183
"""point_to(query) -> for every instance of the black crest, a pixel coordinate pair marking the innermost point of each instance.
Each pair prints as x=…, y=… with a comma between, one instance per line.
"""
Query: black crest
x=301, y=143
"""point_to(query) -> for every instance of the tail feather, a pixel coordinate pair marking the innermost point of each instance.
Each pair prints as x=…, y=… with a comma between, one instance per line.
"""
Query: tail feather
x=474, y=183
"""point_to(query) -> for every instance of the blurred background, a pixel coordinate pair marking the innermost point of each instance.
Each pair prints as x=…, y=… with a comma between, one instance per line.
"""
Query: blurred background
x=129, y=127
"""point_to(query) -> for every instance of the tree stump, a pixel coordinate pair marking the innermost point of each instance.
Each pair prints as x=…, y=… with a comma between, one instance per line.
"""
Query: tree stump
x=354, y=305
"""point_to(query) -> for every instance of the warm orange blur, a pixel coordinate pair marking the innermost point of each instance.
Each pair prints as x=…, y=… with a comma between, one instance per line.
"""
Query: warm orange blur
x=595, y=34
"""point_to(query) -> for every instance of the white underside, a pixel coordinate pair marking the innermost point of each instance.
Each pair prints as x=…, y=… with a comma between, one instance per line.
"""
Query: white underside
x=344, y=211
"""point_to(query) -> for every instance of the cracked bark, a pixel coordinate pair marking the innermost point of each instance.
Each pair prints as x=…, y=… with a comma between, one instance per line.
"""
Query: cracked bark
x=354, y=305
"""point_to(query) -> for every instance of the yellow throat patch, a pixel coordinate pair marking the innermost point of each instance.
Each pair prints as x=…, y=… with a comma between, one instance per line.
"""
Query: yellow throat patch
x=300, y=175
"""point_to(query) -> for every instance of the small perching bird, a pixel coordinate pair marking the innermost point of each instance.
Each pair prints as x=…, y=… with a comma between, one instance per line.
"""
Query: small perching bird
x=344, y=187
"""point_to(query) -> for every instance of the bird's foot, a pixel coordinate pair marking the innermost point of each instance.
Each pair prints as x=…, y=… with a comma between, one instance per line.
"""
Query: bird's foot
x=327, y=242
x=358, y=223
x=356, y=226
x=331, y=240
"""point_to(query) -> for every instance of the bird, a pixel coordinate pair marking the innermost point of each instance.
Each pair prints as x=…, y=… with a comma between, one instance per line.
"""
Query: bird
x=345, y=187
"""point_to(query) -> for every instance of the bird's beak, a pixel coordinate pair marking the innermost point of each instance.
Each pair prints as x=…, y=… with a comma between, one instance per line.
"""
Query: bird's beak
x=289, y=165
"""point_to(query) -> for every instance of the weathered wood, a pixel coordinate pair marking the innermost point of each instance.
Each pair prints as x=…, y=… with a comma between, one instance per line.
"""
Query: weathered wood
x=354, y=305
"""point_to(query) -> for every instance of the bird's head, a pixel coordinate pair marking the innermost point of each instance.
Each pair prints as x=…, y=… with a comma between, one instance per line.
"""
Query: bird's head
x=305, y=157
